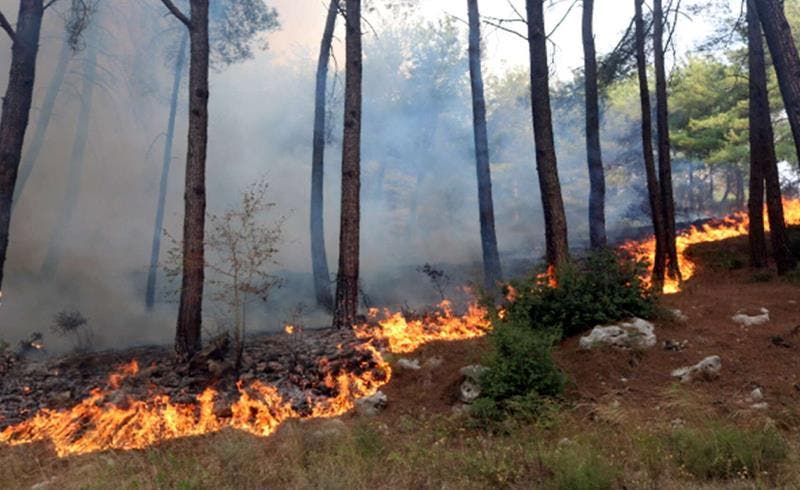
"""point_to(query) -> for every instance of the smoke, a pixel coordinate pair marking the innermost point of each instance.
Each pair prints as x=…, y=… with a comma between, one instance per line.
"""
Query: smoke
x=419, y=186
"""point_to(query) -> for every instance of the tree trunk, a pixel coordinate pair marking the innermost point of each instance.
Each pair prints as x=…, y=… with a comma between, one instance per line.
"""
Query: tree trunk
x=662, y=129
x=43, y=120
x=597, y=180
x=319, y=258
x=155, y=251
x=491, y=257
x=55, y=247
x=653, y=189
x=785, y=58
x=16, y=109
x=763, y=160
x=739, y=179
x=346, y=306
x=190, y=314
x=554, y=218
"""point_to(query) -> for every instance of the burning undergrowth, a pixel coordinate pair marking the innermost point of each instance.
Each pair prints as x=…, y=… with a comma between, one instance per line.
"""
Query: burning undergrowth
x=78, y=406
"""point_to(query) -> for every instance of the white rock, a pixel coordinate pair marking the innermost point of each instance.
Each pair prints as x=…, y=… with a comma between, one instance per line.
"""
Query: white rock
x=372, y=405
x=636, y=334
x=679, y=316
x=708, y=368
x=432, y=362
x=473, y=372
x=470, y=388
x=751, y=320
x=759, y=406
x=756, y=395
x=411, y=364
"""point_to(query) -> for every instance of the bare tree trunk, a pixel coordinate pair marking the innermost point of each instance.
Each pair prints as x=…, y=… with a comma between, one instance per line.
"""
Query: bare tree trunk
x=16, y=109
x=653, y=189
x=319, y=257
x=546, y=165
x=43, y=120
x=597, y=179
x=346, y=306
x=155, y=251
x=664, y=157
x=55, y=247
x=739, y=178
x=491, y=257
x=785, y=58
x=190, y=315
x=763, y=160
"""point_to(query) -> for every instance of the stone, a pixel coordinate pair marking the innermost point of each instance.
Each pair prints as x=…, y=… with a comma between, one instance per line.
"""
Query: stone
x=410, y=364
x=473, y=372
x=636, y=334
x=751, y=320
x=709, y=368
x=470, y=388
x=756, y=395
x=679, y=316
x=372, y=405
x=432, y=362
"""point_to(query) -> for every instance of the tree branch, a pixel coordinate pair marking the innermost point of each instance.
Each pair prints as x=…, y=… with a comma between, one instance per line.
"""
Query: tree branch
x=49, y=4
x=7, y=27
x=177, y=13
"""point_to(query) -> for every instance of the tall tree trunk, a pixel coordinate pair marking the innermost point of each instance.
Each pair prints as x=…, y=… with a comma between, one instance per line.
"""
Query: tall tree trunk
x=662, y=129
x=43, y=120
x=491, y=257
x=55, y=247
x=319, y=258
x=763, y=160
x=597, y=180
x=653, y=188
x=739, y=178
x=785, y=58
x=554, y=217
x=155, y=251
x=190, y=315
x=16, y=109
x=344, y=314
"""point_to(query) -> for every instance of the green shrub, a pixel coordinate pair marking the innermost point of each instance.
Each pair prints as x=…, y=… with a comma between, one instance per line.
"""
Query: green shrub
x=727, y=451
x=580, y=468
x=602, y=288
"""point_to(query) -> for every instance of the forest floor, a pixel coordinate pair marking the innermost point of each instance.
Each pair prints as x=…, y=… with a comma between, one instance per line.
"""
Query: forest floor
x=624, y=421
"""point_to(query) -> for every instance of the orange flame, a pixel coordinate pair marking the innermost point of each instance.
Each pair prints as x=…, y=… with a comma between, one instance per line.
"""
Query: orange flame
x=737, y=224
x=402, y=335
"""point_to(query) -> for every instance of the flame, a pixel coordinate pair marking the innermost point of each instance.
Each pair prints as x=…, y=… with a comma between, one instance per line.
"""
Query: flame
x=734, y=225
x=403, y=335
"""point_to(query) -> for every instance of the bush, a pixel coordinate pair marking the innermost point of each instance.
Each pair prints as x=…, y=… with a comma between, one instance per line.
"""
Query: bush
x=580, y=468
x=602, y=288
x=727, y=451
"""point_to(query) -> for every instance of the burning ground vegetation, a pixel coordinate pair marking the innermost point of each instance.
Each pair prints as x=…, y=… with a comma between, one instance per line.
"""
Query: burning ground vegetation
x=78, y=406
x=137, y=398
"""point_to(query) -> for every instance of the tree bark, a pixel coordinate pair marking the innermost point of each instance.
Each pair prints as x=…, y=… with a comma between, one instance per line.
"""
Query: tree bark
x=662, y=129
x=763, y=160
x=190, y=315
x=785, y=58
x=155, y=250
x=546, y=164
x=55, y=247
x=16, y=110
x=491, y=257
x=653, y=188
x=597, y=193
x=319, y=257
x=346, y=305
x=43, y=120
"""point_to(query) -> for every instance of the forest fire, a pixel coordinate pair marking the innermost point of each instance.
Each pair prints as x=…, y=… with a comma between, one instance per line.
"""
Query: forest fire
x=110, y=419
x=730, y=226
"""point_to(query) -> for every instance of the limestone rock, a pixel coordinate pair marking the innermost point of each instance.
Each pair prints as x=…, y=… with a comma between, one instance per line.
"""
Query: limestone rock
x=709, y=368
x=679, y=316
x=751, y=320
x=410, y=364
x=470, y=388
x=636, y=334
x=372, y=405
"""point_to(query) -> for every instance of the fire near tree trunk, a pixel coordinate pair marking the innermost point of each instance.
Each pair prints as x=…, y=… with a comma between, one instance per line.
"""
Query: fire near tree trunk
x=554, y=218
x=597, y=193
x=155, y=251
x=662, y=128
x=319, y=258
x=16, y=109
x=190, y=313
x=344, y=314
x=785, y=57
x=653, y=189
x=491, y=257
x=763, y=161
